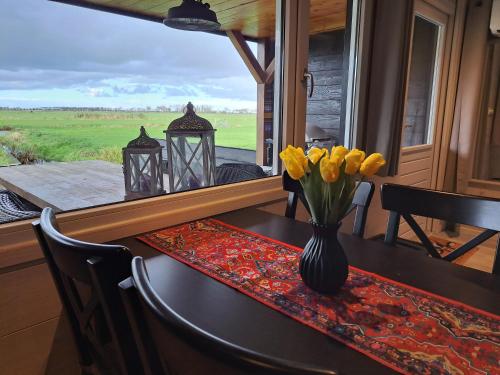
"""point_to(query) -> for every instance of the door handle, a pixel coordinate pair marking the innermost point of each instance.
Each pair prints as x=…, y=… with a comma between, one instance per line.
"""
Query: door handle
x=309, y=76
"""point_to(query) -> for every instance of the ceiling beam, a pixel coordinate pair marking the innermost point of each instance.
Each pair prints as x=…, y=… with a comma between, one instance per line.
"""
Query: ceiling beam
x=109, y=9
x=247, y=55
x=270, y=72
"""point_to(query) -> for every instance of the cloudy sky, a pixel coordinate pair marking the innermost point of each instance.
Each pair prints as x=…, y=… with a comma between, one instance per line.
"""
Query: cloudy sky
x=52, y=54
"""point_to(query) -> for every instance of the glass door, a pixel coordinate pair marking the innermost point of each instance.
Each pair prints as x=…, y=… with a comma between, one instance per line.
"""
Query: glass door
x=423, y=82
x=422, y=122
x=328, y=71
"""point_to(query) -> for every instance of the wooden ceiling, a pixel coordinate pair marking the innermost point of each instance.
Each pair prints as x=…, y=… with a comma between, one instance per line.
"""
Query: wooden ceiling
x=253, y=18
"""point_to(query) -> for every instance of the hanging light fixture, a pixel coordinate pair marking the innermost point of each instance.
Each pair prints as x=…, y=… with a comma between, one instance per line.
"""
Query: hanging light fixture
x=192, y=15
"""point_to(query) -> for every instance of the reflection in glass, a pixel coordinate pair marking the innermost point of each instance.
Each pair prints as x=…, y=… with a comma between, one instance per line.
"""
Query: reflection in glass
x=420, y=111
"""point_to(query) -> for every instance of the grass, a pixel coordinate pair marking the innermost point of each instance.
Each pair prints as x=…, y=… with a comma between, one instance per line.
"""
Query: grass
x=75, y=135
x=5, y=158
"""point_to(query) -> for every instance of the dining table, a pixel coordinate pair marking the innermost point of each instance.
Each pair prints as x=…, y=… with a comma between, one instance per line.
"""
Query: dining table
x=222, y=310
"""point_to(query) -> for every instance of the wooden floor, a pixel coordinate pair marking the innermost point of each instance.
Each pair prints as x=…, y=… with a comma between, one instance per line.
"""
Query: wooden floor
x=481, y=257
x=67, y=185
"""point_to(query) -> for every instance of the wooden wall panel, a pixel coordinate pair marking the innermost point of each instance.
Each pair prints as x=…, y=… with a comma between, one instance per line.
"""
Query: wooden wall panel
x=28, y=296
x=27, y=352
x=326, y=64
x=45, y=348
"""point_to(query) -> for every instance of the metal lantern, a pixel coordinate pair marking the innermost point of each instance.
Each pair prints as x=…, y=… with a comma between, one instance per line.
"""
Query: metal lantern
x=142, y=167
x=191, y=152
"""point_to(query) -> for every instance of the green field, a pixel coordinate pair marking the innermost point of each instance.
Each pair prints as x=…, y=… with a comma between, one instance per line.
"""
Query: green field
x=83, y=135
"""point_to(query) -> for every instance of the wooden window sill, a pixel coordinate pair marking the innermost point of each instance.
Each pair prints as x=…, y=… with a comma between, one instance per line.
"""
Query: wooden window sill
x=101, y=224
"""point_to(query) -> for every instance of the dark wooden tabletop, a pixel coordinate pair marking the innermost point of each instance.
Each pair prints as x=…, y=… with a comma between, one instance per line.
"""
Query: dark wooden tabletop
x=222, y=310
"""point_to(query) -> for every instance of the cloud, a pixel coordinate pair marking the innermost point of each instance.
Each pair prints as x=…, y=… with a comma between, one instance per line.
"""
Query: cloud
x=47, y=45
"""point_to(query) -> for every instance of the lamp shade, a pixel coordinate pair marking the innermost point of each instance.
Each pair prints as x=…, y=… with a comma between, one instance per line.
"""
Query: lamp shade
x=192, y=15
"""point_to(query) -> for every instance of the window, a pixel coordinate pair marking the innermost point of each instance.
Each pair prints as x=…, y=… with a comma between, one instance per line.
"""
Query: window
x=422, y=86
x=81, y=94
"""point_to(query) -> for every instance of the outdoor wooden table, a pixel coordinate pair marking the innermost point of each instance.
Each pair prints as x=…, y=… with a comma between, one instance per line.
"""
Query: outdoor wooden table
x=66, y=185
x=218, y=308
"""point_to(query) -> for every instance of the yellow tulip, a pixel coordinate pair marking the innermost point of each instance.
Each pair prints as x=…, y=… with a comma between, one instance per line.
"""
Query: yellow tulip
x=299, y=154
x=314, y=154
x=295, y=161
x=340, y=152
x=353, y=161
x=372, y=164
x=329, y=170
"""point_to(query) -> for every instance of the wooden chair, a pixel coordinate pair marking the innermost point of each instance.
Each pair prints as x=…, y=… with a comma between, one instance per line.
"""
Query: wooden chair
x=361, y=202
x=86, y=276
x=171, y=344
x=405, y=201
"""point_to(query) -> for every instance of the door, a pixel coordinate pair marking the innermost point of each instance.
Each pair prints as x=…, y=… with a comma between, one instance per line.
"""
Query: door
x=423, y=120
x=422, y=123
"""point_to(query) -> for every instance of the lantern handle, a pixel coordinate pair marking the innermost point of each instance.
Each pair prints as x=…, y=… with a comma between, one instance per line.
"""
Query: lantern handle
x=189, y=108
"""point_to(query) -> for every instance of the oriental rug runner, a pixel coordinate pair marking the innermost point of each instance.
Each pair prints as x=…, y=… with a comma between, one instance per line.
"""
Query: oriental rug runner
x=406, y=329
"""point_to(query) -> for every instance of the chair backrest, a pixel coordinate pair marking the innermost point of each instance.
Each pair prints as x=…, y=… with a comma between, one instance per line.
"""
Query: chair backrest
x=171, y=344
x=405, y=201
x=361, y=201
x=86, y=276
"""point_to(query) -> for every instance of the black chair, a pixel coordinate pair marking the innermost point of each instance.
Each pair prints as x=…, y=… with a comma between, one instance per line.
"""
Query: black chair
x=361, y=201
x=235, y=172
x=86, y=276
x=170, y=344
x=405, y=201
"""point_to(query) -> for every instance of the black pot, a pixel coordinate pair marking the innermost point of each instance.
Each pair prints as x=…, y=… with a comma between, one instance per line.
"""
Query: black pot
x=323, y=264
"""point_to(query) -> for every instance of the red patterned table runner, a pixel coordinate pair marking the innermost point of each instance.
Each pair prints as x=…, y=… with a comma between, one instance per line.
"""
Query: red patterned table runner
x=407, y=329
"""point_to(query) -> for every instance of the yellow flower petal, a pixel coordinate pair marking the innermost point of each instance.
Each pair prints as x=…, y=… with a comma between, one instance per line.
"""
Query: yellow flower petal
x=295, y=161
x=329, y=170
x=340, y=152
x=353, y=161
x=372, y=164
x=314, y=154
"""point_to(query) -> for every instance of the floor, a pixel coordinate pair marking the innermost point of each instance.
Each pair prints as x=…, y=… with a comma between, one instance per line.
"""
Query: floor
x=481, y=257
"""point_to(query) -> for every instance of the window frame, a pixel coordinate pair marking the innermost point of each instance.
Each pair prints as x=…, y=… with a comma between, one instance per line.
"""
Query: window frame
x=117, y=220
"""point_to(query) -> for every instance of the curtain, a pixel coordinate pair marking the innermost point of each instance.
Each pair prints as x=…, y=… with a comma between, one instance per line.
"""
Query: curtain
x=465, y=130
x=388, y=66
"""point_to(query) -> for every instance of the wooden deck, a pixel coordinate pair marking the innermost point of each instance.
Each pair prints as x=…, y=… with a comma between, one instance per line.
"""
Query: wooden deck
x=66, y=186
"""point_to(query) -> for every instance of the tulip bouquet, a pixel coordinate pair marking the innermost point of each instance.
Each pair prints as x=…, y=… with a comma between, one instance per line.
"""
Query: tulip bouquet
x=329, y=178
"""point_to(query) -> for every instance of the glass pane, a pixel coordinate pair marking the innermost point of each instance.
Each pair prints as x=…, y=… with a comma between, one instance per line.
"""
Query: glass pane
x=68, y=111
x=420, y=102
x=326, y=99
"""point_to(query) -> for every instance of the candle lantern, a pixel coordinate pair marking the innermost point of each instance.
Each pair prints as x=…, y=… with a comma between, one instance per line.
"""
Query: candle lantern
x=191, y=152
x=142, y=170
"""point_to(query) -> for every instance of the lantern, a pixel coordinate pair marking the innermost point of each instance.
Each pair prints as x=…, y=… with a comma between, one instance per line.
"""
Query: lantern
x=142, y=167
x=191, y=152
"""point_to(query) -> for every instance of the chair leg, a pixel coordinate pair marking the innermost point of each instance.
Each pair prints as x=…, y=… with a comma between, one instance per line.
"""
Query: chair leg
x=391, y=234
x=496, y=260
x=291, y=206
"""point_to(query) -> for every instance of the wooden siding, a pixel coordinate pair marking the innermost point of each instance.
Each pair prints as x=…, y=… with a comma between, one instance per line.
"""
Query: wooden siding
x=326, y=64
